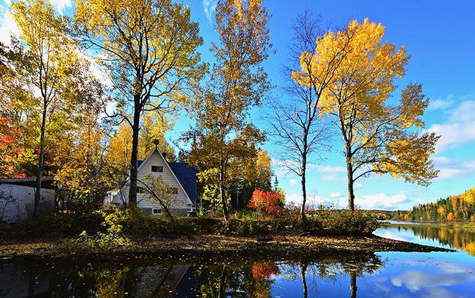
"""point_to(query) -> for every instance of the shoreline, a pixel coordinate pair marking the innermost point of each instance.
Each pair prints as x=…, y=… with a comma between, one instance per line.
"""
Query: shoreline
x=216, y=246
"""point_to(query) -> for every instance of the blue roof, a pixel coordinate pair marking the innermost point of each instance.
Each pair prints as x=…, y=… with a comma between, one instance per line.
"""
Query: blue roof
x=187, y=176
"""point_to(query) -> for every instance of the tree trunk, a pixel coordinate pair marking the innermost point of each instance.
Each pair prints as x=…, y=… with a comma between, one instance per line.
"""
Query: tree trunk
x=351, y=192
x=133, y=159
x=41, y=162
x=303, y=182
x=303, y=272
x=222, y=193
x=353, y=285
x=304, y=197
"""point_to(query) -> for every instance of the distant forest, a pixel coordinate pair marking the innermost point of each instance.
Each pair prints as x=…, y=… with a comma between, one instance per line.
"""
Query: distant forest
x=454, y=208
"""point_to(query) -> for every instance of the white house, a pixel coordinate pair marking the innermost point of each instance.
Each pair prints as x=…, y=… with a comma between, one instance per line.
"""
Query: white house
x=17, y=199
x=180, y=177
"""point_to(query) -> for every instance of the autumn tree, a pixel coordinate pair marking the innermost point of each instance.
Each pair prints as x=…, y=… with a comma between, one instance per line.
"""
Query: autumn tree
x=52, y=59
x=236, y=82
x=296, y=124
x=378, y=137
x=81, y=175
x=258, y=170
x=222, y=164
x=246, y=174
x=17, y=117
x=459, y=207
x=152, y=135
x=150, y=50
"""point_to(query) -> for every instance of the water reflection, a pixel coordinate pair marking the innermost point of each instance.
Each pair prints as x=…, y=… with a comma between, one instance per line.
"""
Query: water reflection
x=181, y=279
x=453, y=236
x=394, y=274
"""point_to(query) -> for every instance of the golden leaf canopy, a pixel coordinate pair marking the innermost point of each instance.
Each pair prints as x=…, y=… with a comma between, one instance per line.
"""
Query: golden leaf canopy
x=354, y=65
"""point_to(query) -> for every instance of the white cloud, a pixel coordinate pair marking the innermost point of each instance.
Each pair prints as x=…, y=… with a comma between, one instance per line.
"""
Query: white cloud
x=8, y=27
x=441, y=104
x=335, y=200
x=459, y=129
x=330, y=173
x=209, y=7
x=61, y=5
x=99, y=72
x=415, y=281
x=381, y=201
x=280, y=167
x=335, y=195
x=450, y=168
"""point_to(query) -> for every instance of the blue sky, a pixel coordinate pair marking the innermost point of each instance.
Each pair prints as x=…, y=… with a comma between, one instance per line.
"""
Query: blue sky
x=438, y=35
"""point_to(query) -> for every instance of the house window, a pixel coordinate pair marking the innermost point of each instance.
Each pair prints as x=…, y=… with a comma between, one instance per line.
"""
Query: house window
x=157, y=169
x=156, y=211
x=141, y=190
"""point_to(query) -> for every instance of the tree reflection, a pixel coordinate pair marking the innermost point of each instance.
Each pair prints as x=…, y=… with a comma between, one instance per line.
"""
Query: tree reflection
x=454, y=236
x=196, y=278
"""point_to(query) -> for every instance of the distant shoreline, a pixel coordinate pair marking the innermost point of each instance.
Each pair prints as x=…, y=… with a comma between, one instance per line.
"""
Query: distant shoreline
x=402, y=223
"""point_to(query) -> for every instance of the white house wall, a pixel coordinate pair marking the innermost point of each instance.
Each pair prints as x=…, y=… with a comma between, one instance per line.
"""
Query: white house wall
x=16, y=201
x=144, y=200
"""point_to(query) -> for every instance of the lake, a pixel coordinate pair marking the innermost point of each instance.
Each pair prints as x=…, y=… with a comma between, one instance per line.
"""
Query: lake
x=388, y=274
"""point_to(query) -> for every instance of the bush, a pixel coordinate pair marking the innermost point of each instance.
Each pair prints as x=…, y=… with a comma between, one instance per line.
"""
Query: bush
x=52, y=226
x=112, y=226
x=270, y=202
x=100, y=241
x=136, y=224
x=343, y=222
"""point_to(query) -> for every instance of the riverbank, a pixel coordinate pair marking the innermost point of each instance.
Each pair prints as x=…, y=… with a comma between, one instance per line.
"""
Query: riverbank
x=216, y=246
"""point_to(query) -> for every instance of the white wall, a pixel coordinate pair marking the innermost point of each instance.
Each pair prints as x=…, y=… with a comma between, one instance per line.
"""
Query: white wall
x=16, y=201
x=180, y=200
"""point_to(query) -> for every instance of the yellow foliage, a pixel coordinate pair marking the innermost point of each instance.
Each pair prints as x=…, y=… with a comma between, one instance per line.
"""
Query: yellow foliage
x=167, y=43
x=352, y=73
x=44, y=34
x=441, y=210
x=469, y=196
x=357, y=54
x=153, y=130
x=408, y=157
x=470, y=248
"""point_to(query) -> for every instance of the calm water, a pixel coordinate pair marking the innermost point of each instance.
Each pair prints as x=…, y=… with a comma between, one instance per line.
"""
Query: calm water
x=381, y=275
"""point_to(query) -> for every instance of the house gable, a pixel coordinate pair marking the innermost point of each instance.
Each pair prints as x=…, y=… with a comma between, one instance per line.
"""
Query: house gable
x=155, y=165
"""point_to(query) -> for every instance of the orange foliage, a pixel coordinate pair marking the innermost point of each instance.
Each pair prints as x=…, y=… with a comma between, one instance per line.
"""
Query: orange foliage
x=263, y=270
x=450, y=216
x=10, y=150
x=266, y=201
x=6, y=137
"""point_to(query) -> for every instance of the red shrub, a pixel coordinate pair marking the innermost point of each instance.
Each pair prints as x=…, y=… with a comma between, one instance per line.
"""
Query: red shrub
x=264, y=270
x=270, y=202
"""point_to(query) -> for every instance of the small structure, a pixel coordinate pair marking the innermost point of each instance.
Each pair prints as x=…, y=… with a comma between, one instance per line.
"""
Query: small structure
x=17, y=199
x=178, y=176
